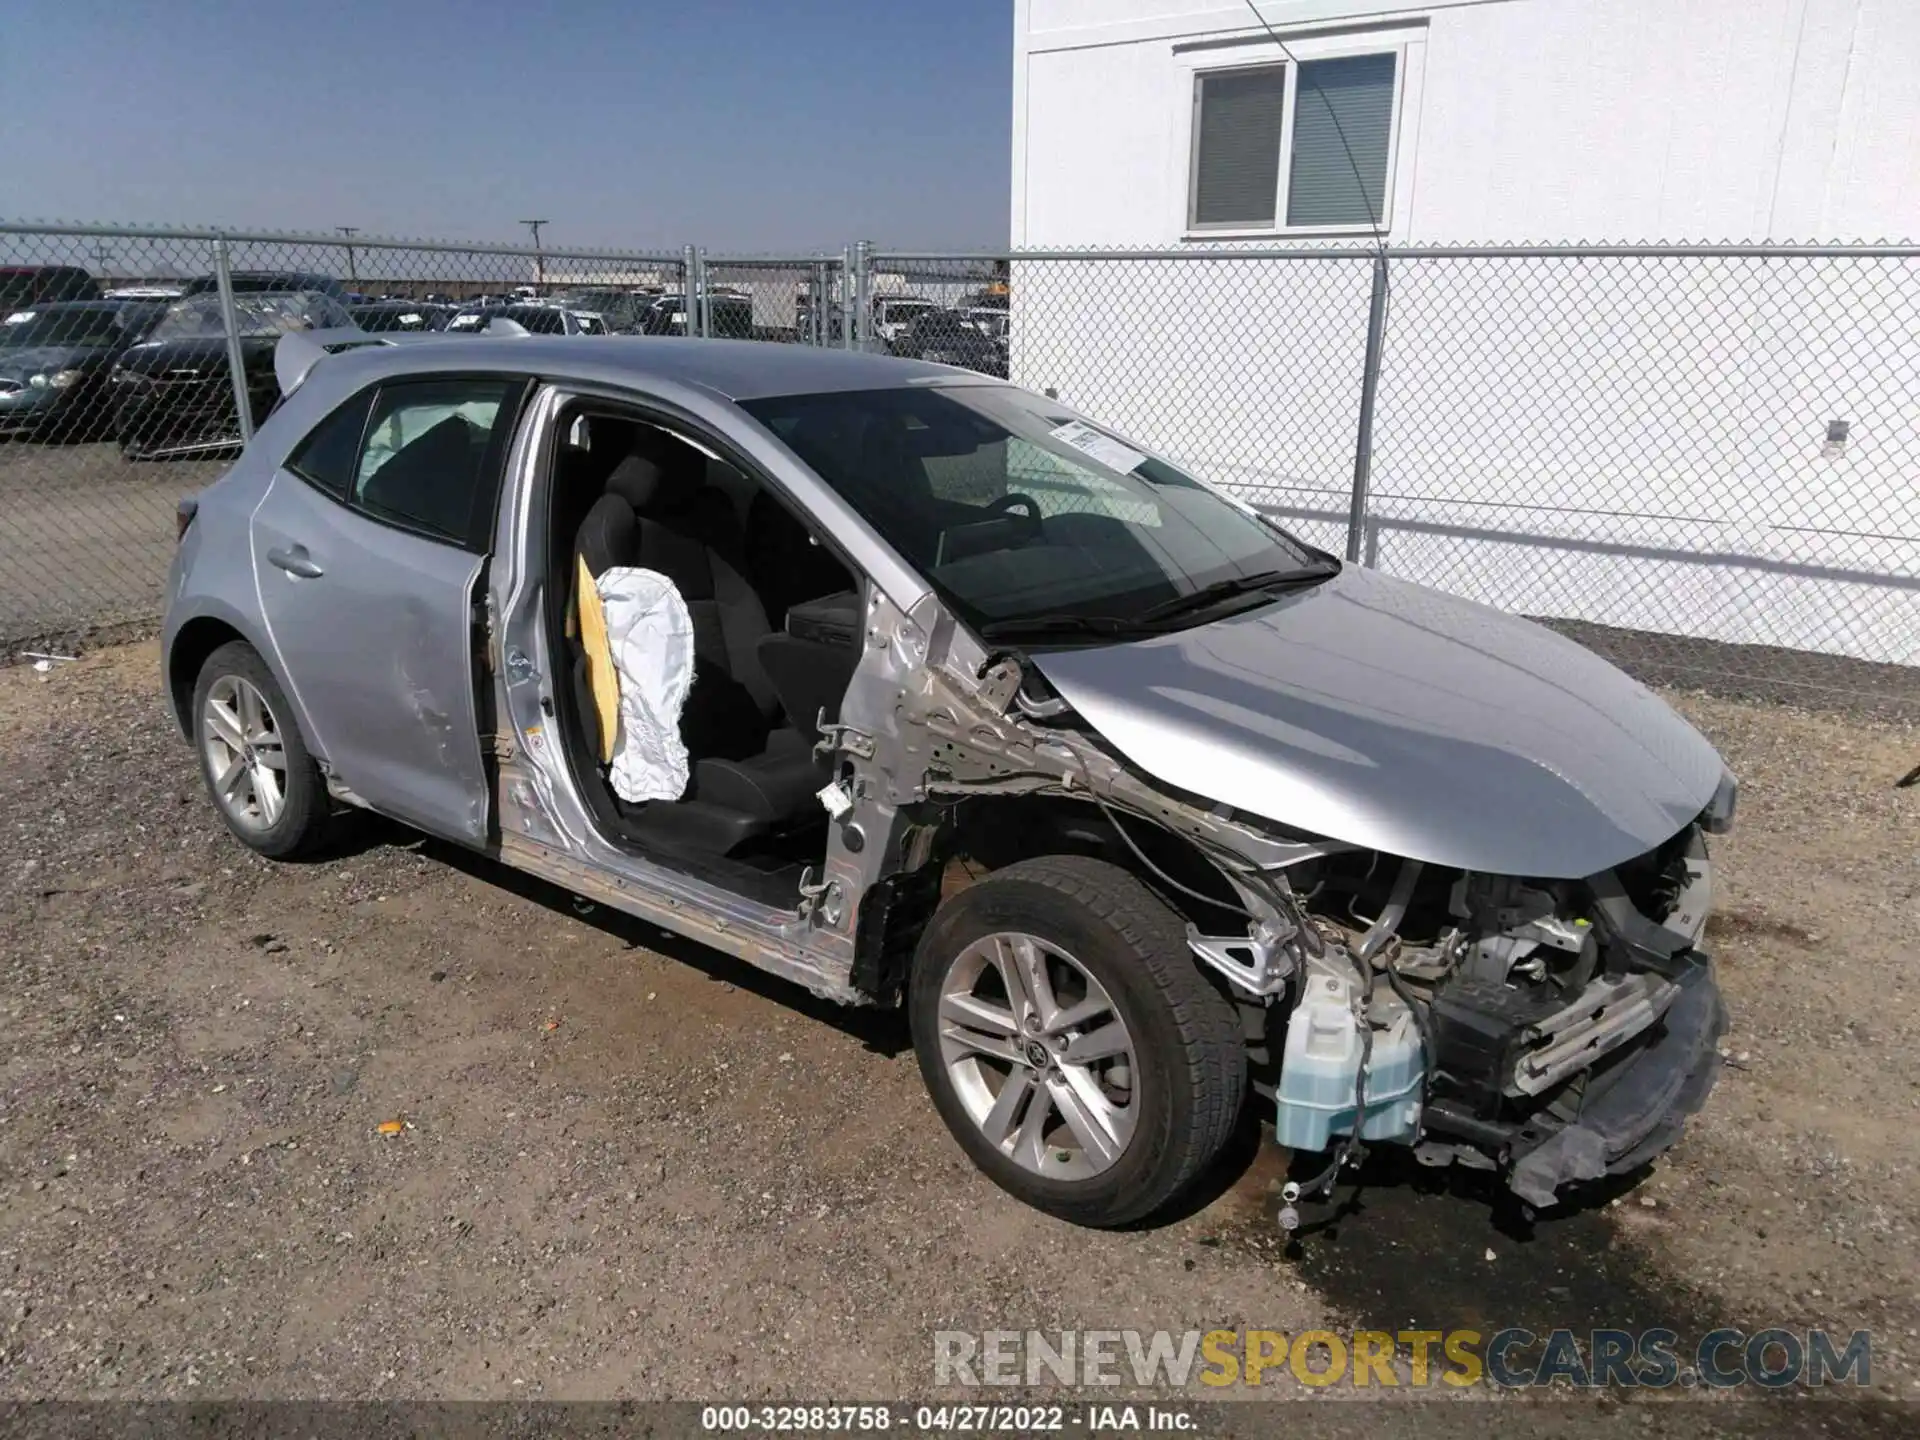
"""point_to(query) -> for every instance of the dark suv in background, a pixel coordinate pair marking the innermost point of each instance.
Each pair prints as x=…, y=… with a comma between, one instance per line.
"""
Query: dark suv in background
x=23, y=285
x=729, y=317
x=173, y=394
x=247, y=281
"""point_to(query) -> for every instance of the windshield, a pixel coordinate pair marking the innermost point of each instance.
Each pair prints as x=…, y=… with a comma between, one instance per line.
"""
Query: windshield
x=259, y=314
x=60, y=327
x=892, y=310
x=391, y=317
x=1015, y=508
x=538, y=319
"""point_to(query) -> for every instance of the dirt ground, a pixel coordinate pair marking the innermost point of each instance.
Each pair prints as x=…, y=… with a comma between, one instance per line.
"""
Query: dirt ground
x=85, y=538
x=631, y=1168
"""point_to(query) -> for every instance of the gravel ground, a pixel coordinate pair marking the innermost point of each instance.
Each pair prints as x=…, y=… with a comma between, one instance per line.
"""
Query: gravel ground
x=628, y=1167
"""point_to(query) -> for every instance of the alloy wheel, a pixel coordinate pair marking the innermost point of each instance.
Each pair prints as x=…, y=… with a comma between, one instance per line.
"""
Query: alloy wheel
x=1039, y=1056
x=246, y=762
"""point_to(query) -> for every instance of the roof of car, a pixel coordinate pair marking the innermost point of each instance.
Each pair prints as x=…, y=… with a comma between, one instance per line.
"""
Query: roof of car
x=68, y=307
x=737, y=369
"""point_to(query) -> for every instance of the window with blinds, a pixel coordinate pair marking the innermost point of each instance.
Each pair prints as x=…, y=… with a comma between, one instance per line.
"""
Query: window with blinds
x=1344, y=107
x=1237, y=150
x=1341, y=122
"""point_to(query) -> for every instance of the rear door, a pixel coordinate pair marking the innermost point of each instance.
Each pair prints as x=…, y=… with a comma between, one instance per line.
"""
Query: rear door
x=370, y=553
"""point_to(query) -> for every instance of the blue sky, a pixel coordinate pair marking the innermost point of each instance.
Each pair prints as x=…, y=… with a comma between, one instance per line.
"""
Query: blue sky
x=728, y=123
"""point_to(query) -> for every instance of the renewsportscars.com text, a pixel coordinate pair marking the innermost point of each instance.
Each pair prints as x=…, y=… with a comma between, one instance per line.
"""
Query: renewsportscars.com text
x=1510, y=1358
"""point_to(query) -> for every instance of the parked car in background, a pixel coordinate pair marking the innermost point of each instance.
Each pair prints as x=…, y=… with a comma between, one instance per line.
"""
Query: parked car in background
x=144, y=292
x=730, y=317
x=54, y=363
x=472, y=316
x=893, y=313
x=621, y=310
x=22, y=285
x=536, y=317
x=587, y=322
x=173, y=393
x=281, y=281
x=989, y=320
x=954, y=337
x=381, y=316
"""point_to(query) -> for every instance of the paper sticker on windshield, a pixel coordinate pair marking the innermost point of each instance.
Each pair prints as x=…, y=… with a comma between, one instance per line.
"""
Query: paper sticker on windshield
x=1101, y=449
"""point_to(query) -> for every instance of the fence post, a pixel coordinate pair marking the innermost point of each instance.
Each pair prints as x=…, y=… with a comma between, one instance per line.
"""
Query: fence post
x=689, y=280
x=862, y=294
x=230, y=321
x=843, y=294
x=706, y=300
x=1369, y=388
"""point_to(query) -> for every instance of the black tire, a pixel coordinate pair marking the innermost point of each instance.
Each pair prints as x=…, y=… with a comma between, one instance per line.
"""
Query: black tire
x=305, y=811
x=1191, y=1059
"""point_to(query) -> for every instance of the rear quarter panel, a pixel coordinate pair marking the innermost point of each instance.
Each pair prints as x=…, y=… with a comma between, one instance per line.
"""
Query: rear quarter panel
x=212, y=578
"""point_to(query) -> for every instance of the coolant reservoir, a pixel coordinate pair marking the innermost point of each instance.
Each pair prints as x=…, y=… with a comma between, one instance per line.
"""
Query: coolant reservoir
x=1315, y=1098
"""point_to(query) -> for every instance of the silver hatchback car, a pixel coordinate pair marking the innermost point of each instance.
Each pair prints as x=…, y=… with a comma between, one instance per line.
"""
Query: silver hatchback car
x=1142, y=808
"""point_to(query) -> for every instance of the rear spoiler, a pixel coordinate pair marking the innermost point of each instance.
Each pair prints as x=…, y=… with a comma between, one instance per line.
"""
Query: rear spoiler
x=299, y=351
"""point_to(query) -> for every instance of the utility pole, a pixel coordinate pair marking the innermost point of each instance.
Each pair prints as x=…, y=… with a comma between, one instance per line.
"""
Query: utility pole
x=539, y=260
x=350, y=231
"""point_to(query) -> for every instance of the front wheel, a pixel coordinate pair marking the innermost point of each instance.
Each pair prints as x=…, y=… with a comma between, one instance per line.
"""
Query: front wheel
x=258, y=773
x=1069, y=1042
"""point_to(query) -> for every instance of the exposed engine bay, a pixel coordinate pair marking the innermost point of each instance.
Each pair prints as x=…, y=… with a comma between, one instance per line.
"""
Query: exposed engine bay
x=1555, y=1030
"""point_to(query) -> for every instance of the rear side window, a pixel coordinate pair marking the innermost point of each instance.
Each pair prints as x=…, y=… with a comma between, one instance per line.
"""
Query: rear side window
x=431, y=457
x=328, y=455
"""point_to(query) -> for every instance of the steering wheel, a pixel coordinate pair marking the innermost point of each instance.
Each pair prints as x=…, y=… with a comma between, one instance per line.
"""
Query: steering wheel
x=1012, y=498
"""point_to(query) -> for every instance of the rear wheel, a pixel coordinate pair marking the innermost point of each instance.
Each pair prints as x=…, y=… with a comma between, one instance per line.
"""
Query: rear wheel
x=1069, y=1042
x=257, y=770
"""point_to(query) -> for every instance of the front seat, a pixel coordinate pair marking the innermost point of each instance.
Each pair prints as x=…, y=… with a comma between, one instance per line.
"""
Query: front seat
x=743, y=763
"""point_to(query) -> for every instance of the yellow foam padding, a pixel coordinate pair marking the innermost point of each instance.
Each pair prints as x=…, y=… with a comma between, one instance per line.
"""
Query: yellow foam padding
x=601, y=679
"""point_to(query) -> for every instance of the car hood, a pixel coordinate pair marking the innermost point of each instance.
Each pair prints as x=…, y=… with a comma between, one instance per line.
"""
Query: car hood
x=205, y=356
x=1397, y=718
x=39, y=359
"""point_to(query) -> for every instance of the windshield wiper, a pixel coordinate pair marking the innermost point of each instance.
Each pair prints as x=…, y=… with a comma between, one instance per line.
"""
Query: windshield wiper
x=1235, y=586
x=1042, y=625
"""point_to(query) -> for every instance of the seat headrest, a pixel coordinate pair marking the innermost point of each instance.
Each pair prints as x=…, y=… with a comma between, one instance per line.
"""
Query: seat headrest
x=652, y=487
x=607, y=535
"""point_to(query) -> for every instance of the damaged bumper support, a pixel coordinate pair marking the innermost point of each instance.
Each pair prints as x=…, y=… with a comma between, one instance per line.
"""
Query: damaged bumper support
x=1633, y=1109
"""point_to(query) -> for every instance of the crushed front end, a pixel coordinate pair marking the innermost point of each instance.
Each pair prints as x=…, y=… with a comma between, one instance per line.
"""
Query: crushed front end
x=1557, y=1031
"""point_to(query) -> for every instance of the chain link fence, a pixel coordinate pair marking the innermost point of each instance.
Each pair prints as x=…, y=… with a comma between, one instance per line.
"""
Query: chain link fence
x=1703, y=460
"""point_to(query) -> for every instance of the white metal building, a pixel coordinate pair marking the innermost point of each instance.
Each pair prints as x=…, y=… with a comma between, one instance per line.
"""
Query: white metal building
x=1555, y=439
x=1148, y=121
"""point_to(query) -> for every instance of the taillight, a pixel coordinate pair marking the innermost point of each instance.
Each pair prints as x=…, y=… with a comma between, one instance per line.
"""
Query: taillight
x=183, y=514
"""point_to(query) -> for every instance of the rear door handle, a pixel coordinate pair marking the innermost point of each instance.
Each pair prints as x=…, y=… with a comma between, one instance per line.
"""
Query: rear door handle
x=295, y=561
